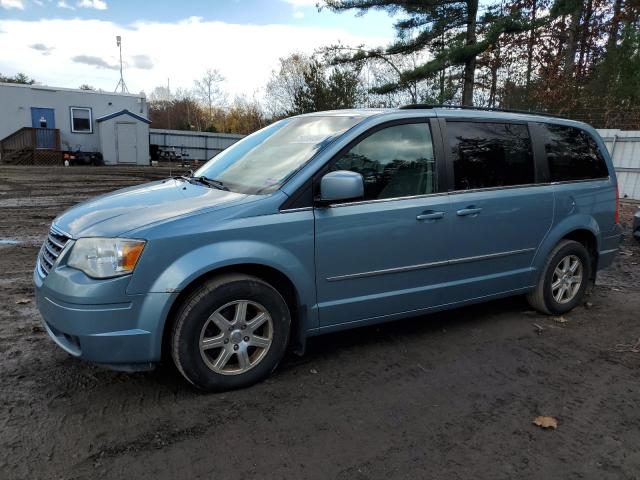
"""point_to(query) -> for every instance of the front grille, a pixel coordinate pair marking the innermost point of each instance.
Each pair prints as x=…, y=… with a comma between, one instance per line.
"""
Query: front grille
x=50, y=251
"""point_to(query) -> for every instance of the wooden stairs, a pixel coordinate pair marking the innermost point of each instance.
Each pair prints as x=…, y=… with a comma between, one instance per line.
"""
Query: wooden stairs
x=31, y=146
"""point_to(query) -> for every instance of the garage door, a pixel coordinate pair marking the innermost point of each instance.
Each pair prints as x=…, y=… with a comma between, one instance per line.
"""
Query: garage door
x=127, y=145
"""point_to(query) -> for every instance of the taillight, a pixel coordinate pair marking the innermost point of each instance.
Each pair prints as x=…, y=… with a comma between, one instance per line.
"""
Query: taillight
x=617, y=215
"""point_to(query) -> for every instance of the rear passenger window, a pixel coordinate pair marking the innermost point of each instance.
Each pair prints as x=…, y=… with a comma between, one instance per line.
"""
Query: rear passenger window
x=489, y=155
x=395, y=162
x=572, y=154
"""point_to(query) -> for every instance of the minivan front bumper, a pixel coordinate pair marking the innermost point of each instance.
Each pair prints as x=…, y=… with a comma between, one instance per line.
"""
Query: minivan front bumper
x=96, y=320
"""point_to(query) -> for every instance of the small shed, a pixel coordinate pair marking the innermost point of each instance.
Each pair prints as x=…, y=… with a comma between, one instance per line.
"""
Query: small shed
x=124, y=138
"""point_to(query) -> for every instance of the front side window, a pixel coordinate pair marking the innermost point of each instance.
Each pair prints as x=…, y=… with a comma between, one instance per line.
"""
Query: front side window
x=572, y=154
x=396, y=161
x=487, y=155
x=263, y=161
x=81, y=120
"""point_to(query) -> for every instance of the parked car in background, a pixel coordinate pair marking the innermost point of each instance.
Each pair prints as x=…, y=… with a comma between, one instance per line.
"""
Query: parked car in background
x=325, y=222
x=636, y=225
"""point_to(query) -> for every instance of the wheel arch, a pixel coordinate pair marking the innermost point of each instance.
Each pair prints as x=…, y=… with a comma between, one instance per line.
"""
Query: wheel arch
x=590, y=241
x=273, y=276
x=582, y=230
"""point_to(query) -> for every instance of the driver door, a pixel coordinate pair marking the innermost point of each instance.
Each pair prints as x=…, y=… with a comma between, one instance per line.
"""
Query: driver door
x=387, y=253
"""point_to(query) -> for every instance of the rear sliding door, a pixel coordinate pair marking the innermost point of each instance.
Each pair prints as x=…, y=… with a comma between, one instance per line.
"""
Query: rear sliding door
x=499, y=211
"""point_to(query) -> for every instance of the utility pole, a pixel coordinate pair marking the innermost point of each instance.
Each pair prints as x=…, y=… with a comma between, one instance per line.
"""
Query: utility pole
x=121, y=85
x=168, y=105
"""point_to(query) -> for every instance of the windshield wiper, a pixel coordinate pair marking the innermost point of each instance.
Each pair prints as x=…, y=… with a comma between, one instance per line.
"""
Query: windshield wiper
x=184, y=178
x=210, y=182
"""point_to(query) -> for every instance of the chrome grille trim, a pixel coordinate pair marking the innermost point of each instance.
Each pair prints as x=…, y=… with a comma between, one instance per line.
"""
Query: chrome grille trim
x=53, y=254
x=49, y=262
x=54, y=241
x=51, y=249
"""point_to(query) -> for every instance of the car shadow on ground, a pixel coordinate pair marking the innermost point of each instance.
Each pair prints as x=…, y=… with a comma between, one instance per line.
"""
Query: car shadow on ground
x=323, y=347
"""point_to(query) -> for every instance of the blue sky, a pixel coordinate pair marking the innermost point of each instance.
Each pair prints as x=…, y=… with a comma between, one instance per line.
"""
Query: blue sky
x=68, y=42
x=258, y=12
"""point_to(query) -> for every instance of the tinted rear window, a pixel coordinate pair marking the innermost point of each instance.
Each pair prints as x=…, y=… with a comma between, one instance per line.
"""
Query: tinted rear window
x=572, y=154
x=490, y=154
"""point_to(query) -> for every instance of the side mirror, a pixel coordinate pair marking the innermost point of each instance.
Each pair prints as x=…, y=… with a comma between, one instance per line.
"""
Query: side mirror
x=341, y=185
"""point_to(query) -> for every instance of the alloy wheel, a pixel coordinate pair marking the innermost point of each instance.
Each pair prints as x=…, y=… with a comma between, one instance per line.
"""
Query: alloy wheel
x=236, y=337
x=567, y=279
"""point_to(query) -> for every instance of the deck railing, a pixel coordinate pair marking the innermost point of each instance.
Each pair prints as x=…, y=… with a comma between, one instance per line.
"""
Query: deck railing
x=31, y=146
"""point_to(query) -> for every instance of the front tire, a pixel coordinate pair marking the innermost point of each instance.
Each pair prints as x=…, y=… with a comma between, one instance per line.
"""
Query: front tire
x=230, y=333
x=564, y=279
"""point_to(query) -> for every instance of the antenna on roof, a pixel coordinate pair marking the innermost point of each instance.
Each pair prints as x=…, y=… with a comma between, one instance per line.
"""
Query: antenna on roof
x=121, y=85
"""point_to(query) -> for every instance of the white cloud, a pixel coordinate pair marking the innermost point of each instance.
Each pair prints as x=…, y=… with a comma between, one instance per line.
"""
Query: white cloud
x=84, y=51
x=142, y=61
x=64, y=4
x=38, y=2
x=298, y=14
x=7, y=4
x=97, y=4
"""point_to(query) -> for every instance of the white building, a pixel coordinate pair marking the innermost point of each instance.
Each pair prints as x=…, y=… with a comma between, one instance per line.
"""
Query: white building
x=39, y=122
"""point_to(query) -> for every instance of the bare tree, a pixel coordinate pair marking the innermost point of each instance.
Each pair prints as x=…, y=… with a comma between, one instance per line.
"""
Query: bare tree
x=208, y=89
x=285, y=83
x=160, y=100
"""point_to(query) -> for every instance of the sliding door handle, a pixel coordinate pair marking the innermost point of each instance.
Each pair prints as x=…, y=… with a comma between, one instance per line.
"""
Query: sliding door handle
x=468, y=211
x=430, y=216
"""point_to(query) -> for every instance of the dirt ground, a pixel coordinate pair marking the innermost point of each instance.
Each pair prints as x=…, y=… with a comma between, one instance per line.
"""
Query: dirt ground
x=445, y=396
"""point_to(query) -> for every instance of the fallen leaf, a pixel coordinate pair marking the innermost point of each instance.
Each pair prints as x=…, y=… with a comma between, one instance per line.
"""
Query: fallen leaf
x=539, y=328
x=546, y=422
x=560, y=319
x=22, y=301
x=313, y=371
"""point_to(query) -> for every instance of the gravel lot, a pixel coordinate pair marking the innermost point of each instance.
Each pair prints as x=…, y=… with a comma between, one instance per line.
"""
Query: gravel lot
x=451, y=395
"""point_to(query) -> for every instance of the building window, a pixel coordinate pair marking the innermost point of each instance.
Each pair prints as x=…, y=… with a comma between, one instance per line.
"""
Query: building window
x=81, y=121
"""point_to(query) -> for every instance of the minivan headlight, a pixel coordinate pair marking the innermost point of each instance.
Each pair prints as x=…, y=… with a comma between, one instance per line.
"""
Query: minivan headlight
x=105, y=257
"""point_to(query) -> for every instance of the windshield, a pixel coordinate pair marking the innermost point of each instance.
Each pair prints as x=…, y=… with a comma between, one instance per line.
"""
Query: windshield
x=262, y=162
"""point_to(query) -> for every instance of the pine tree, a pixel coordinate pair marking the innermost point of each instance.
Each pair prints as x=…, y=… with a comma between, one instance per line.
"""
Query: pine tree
x=423, y=25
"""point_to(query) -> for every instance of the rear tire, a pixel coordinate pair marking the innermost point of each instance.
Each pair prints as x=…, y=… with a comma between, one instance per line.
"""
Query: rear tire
x=230, y=333
x=564, y=279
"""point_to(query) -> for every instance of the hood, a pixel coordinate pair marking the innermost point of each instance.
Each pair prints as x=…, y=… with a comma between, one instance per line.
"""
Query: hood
x=123, y=210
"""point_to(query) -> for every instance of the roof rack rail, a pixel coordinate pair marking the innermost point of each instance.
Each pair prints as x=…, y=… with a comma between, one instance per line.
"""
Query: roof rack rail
x=417, y=106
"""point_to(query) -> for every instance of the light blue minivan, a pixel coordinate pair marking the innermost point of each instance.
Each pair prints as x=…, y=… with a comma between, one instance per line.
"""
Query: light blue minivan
x=329, y=221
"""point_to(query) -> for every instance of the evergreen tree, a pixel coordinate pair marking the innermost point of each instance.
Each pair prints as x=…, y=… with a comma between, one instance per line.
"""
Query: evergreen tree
x=305, y=84
x=452, y=30
x=20, y=78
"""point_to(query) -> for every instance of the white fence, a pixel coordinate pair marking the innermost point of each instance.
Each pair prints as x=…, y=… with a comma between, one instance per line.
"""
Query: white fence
x=624, y=147
x=192, y=145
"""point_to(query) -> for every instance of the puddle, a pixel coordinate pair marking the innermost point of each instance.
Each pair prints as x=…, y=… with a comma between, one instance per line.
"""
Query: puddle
x=9, y=241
